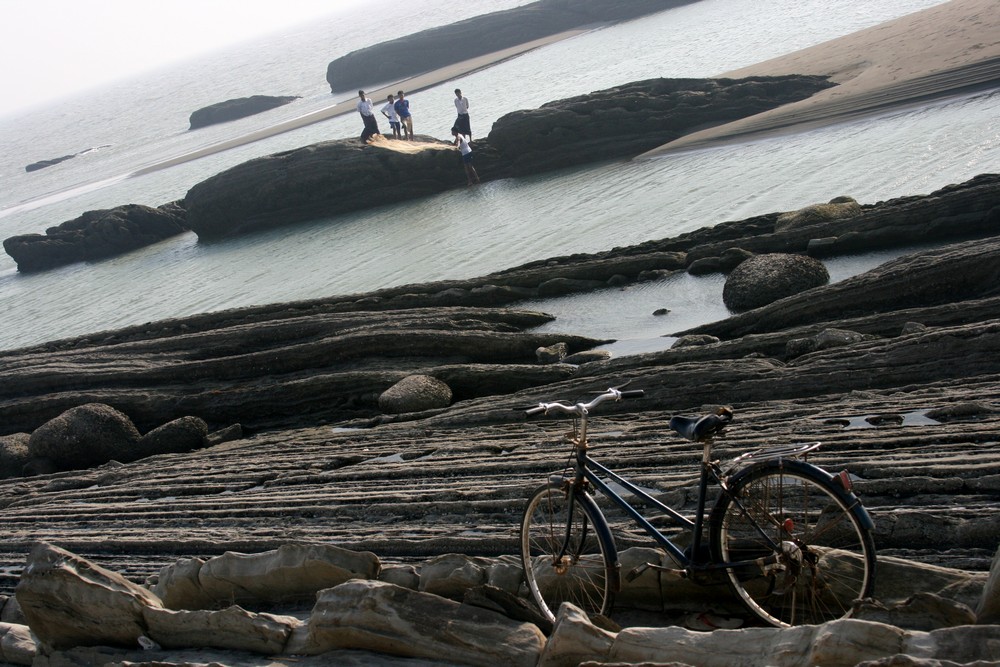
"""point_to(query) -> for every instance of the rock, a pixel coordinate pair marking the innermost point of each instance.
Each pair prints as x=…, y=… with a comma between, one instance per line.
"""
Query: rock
x=17, y=647
x=563, y=286
x=377, y=616
x=445, y=45
x=763, y=279
x=988, y=609
x=586, y=357
x=694, y=340
x=14, y=454
x=553, y=354
x=506, y=603
x=627, y=120
x=180, y=435
x=923, y=611
x=415, y=393
x=228, y=434
x=575, y=639
x=96, y=235
x=293, y=572
x=316, y=181
x=231, y=628
x=84, y=436
x=837, y=208
x=451, y=575
x=825, y=339
x=68, y=601
x=242, y=107
x=42, y=164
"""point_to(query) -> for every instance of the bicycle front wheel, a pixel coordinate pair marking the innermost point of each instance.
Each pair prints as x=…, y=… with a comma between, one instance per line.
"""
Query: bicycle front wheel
x=824, y=558
x=567, y=552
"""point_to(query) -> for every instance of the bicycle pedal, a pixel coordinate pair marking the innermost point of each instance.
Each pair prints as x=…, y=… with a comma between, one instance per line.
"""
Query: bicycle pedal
x=635, y=572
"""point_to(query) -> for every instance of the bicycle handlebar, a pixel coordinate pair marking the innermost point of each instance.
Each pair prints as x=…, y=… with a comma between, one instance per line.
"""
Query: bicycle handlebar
x=581, y=409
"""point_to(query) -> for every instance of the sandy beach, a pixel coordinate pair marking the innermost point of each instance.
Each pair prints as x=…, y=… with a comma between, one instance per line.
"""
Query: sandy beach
x=950, y=49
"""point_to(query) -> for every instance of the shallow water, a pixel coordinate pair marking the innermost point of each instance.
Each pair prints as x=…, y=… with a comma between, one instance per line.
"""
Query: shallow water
x=468, y=232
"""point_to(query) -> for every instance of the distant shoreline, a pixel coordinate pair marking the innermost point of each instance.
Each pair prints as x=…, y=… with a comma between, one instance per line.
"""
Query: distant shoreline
x=413, y=84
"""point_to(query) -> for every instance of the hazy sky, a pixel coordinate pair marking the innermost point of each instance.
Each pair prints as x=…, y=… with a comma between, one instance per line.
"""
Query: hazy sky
x=51, y=48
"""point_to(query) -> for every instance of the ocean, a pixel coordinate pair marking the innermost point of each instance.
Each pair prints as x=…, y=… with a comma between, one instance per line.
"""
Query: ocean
x=118, y=130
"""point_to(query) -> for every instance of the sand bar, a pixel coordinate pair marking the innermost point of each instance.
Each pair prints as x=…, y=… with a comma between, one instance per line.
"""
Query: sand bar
x=946, y=50
x=412, y=84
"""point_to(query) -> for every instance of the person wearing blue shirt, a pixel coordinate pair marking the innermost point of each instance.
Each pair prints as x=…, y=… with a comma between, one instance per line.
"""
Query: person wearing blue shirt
x=402, y=107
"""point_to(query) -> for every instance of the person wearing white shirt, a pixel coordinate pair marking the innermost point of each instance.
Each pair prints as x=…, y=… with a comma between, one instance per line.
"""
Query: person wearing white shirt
x=367, y=110
x=465, y=149
x=389, y=111
x=462, y=122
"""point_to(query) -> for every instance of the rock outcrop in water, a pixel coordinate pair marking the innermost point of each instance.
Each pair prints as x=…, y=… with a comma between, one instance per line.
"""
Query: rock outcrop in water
x=96, y=235
x=223, y=112
x=477, y=36
x=335, y=177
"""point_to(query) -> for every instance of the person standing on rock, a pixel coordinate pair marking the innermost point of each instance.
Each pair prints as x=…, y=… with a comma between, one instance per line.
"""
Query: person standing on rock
x=402, y=106
x=367, y=110
x=465, y=148
x=389, y=111
x=462, y=122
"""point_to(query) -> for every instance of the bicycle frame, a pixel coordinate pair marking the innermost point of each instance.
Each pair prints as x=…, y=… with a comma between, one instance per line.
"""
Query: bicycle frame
x=586, y=468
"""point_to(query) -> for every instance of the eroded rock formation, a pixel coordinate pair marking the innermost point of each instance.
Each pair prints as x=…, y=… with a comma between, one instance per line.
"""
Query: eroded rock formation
x=96, y=235
x=445, y=45
x=242, y=107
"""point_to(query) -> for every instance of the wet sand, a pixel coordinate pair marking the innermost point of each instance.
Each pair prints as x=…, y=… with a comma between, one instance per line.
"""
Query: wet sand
x=349, y=105
x=946, y=50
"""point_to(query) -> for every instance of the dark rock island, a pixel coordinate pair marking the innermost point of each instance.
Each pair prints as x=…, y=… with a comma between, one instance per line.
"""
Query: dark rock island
x=477, y=36
x=242, y=107
x=335, y=177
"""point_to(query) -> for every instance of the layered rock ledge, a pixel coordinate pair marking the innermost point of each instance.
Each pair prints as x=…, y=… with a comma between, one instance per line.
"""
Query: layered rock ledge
x=910, y=403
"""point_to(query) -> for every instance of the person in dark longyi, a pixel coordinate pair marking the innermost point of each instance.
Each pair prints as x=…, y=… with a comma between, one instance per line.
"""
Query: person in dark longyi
x=367, y=110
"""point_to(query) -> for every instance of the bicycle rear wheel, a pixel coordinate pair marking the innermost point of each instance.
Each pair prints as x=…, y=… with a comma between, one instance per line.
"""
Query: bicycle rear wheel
x=567, y=552
x=826, y=558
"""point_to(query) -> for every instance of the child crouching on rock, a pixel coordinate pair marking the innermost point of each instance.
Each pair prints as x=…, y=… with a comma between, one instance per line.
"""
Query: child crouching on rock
x=466, y=150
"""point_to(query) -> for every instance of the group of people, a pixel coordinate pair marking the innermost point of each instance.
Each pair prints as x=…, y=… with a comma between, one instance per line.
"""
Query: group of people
x=397, y=111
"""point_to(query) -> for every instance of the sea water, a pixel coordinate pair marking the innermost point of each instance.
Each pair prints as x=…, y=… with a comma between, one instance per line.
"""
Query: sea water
x=468, y=232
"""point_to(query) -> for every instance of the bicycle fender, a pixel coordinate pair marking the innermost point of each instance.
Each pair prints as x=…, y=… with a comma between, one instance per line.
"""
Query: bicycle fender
x=848, y=497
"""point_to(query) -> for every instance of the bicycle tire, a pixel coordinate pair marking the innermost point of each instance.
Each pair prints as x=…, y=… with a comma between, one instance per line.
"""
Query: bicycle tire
x=827, y=560
x=587, y=574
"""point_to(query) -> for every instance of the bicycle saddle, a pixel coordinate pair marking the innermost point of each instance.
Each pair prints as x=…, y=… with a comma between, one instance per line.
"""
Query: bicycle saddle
x=701, y=428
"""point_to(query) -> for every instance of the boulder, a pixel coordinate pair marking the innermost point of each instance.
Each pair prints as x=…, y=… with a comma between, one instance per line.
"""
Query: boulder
x=988, y=609
x=222, y=112
x=17, y=647
x=415, y=393
x=293, y=572
x=923, y=611
x=575, y=639
x=835, y=209
x=763, y=279
x=68, y=601
x=84, y=436
x=231, y=628
x=14, y=454
x=552, y=354
x=180, y=435
x=381, y=617
x=825, y=339
x=96, y=235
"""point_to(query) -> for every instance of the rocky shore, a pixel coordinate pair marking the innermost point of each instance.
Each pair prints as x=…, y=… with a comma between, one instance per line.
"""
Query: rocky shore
x=896, y=371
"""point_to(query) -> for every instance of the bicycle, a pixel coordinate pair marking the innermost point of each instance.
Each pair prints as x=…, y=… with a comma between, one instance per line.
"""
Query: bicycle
x=793, y=541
